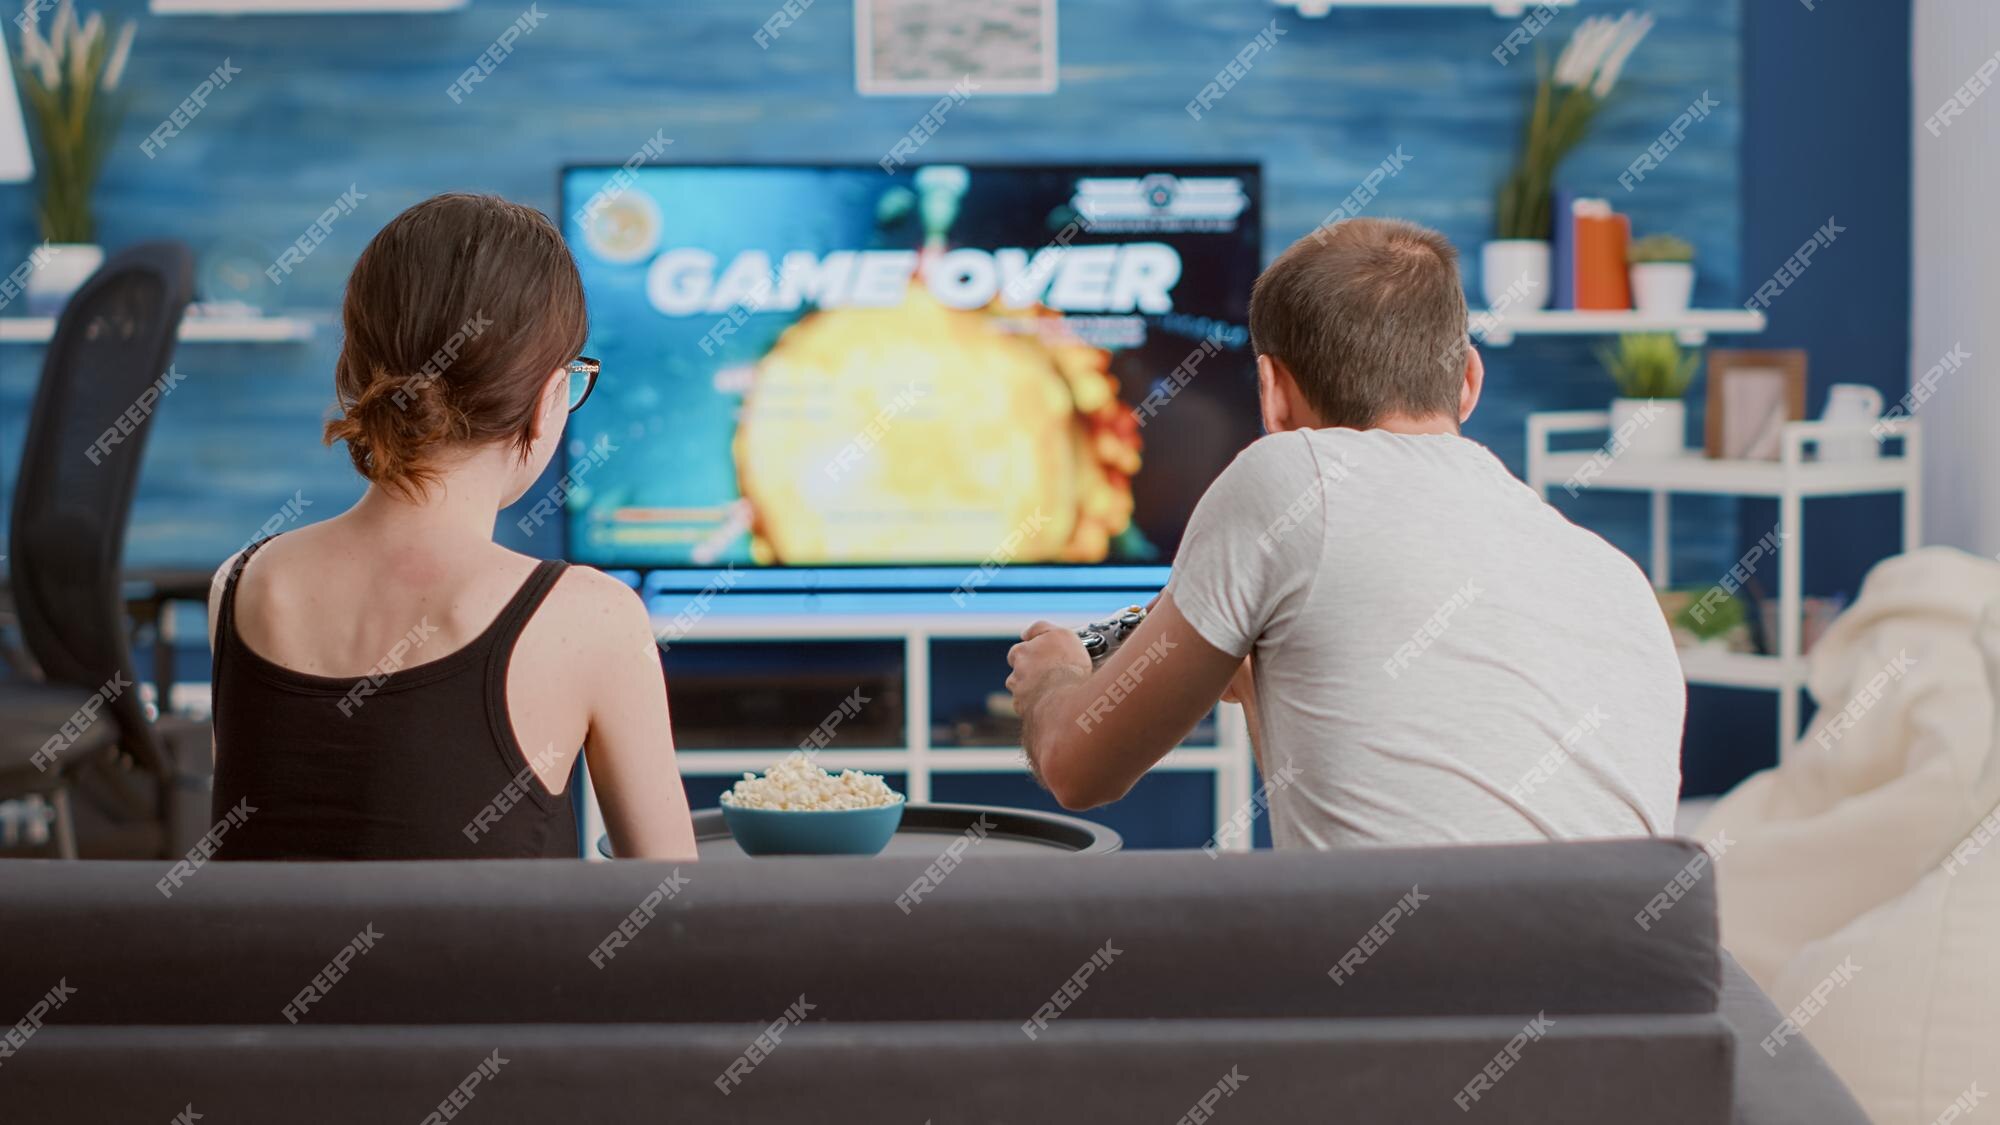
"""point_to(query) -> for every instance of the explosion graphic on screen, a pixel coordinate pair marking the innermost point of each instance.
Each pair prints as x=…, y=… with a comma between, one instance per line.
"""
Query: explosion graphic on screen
x=923, y=433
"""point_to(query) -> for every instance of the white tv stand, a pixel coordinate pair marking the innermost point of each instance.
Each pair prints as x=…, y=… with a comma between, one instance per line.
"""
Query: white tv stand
x=1228, y=758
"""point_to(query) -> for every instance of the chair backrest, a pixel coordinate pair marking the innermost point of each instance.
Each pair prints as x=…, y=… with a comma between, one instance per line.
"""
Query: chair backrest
x=102, y=380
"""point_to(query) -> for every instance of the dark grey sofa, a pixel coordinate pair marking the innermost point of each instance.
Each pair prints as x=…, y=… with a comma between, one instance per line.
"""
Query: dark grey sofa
x=1213, y=1002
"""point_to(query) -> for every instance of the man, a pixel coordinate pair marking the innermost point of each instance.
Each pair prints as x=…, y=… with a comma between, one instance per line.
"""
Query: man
x=1427, y=652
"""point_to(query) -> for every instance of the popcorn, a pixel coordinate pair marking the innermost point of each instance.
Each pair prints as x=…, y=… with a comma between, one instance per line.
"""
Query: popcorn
x=796, y=785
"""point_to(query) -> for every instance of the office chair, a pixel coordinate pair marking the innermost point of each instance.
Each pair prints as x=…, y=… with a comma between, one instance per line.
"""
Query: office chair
x=72, y=500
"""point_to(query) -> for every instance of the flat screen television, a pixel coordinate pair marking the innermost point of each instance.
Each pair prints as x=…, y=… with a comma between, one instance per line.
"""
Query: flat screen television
x=837, y=376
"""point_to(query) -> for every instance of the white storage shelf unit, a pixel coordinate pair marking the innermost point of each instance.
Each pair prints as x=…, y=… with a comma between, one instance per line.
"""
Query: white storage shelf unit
x=1791, y=480
x=1227, y=760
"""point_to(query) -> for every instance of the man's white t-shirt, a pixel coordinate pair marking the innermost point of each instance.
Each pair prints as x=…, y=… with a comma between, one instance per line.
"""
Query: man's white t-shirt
x=1440, y=656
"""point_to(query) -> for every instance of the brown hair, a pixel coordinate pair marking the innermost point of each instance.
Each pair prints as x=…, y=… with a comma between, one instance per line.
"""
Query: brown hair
x=1370, y=319
x=455, y=316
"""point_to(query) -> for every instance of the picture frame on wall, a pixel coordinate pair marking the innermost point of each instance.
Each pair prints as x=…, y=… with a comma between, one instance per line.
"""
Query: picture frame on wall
x=1751, y=395
x=904, y=47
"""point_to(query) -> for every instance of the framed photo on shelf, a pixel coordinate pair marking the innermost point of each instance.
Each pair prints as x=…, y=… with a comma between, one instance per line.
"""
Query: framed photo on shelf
x=1751, y=395
x=947, y=46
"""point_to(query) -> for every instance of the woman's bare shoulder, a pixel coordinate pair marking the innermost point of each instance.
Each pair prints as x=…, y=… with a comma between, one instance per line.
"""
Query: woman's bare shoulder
x=601, y=613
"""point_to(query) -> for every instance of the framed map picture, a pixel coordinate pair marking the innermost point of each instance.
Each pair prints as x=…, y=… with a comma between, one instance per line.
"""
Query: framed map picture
x=932, y=46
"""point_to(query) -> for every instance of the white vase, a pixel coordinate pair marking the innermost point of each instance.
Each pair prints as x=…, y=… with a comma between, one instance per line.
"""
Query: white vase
x=1648, y=429
x=1662, y=287
x=64, y=267
x=1514, y=274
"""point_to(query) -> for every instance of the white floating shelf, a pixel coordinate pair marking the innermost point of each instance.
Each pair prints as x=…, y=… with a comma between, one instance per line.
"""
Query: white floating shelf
x=1692, y=327
x=194, y=330
x=1509, y=9
x=297, y=7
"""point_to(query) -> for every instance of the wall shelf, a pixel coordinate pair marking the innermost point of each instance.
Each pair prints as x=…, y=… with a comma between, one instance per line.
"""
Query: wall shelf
x=297, y=7
x=1692, y=327
x=1507, y=9
x=194, y=330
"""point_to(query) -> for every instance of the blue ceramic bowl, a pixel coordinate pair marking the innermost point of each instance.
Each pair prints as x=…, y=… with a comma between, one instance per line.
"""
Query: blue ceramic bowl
x=818, y=832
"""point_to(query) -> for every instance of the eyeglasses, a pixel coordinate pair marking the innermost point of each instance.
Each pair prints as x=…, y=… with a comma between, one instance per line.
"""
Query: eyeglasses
x=582, y=380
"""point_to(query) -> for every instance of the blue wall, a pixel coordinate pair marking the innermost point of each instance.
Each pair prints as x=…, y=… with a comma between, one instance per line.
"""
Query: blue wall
x=325, y=102
x=1826, y=134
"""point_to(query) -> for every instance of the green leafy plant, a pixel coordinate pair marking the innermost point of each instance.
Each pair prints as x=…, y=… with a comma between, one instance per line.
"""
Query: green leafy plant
x=1650, y=365
x=1659, y=248
x=1565, y=102
x=1723, y=617
x=68, y=80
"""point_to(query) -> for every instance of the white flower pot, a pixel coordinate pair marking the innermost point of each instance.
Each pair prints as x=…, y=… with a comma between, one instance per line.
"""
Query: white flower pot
x=1514, y=274
x=1649, y=429
x=64, y=267
x=1662, y=287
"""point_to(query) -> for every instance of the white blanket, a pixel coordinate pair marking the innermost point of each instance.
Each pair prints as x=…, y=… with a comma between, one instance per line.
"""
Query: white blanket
x=1895, y=769
x=1861, y=886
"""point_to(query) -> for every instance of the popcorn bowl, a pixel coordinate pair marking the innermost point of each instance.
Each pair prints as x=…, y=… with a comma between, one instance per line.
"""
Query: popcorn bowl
x=813, y=831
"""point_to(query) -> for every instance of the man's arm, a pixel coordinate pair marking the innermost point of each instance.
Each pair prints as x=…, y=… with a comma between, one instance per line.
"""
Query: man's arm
x=1245, y=565
x=1090, y=735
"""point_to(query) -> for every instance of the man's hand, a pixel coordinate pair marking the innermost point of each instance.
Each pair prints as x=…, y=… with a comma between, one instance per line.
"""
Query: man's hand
x=1047, y=656
x=1145, y=698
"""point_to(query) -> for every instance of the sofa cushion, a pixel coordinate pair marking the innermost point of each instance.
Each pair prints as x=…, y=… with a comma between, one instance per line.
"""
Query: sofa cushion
x=1461, y=931
x=1660, y=1070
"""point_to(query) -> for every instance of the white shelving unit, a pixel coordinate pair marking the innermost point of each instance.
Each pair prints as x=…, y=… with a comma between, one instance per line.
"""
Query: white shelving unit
x=1228, y=759
x=1692, y=327
x=194, y=330
x=1791, y=480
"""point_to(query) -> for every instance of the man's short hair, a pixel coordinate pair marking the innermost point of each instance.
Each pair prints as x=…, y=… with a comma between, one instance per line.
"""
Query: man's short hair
x=1370, y=319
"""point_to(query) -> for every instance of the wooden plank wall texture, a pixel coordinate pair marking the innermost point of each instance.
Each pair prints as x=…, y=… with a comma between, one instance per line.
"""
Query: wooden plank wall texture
x=325, y=102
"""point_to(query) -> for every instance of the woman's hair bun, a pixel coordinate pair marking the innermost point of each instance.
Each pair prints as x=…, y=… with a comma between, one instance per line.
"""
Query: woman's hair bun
x=393, y=423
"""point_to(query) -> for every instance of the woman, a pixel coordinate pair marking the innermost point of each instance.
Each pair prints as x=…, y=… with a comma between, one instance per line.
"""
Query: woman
x=392, y=684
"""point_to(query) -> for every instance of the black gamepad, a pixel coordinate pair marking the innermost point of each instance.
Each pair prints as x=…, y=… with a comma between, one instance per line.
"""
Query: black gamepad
x=1102, y=638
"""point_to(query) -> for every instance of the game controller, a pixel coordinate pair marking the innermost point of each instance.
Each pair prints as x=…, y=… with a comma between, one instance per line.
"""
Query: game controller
x=1102, y=638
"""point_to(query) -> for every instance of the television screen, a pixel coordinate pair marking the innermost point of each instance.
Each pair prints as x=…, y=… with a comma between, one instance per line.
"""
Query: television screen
x=940, y=366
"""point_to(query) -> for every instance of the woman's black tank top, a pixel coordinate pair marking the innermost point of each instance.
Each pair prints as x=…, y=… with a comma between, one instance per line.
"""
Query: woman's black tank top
x=415, y=761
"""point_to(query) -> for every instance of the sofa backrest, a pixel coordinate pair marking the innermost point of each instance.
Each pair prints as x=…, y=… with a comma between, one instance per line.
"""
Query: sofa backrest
x=1559, y=928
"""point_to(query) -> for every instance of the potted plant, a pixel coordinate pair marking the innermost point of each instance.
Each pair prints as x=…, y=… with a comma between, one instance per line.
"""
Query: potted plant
x=1662, y=273
x=1514, y=267
x=1721, y=625
x=67, y=81
x=1648, y=418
